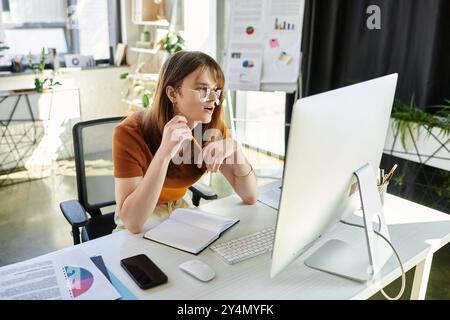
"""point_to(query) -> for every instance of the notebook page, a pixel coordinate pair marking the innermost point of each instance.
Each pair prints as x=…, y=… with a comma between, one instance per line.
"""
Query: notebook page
x=202, y=219
x=180, y=235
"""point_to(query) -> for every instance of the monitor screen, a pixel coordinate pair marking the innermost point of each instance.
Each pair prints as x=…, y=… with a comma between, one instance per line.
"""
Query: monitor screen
x=332, y=135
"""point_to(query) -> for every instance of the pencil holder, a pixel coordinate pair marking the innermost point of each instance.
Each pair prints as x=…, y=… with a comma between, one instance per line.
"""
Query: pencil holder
x=382, y=190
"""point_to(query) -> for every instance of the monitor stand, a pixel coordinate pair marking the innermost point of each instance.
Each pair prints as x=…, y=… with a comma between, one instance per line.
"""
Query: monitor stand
x=360, y=260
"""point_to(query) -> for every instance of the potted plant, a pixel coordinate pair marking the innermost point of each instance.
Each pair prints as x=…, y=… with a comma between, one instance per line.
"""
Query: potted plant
x=418, y=134
x=138, y=89
x=172, y=42
x=38, y=69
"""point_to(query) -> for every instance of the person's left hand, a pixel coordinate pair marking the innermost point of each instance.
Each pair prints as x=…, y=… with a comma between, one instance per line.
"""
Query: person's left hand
x=215, y=153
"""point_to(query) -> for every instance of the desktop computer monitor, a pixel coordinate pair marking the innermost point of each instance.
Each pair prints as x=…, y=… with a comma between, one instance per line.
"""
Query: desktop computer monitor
x=332, y=135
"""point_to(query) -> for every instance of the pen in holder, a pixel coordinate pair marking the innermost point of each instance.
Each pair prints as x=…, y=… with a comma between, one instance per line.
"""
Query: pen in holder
x=383, y=182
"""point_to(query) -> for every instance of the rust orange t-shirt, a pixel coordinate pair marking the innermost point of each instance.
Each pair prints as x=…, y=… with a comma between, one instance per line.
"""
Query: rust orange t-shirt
x=132, y=157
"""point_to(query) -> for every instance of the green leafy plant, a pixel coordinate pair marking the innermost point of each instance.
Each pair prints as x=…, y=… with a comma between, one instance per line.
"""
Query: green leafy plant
x=409, y=118
x=138, y=87
x=38, y=69
x=172, y=42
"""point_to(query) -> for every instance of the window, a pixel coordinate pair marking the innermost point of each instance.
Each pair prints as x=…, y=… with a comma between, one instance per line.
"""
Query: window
x=260, y=118
x=21, y=41
x=93, y=28
x=70, y=26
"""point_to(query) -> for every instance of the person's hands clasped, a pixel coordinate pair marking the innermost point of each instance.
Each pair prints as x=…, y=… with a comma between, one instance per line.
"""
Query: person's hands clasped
x=175, y=133
x=214, y=154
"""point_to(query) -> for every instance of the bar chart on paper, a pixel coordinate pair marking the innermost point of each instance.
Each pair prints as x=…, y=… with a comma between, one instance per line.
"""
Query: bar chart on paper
x=283, y=25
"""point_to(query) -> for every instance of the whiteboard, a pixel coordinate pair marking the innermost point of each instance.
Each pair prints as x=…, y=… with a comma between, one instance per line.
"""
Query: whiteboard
x=263, y=49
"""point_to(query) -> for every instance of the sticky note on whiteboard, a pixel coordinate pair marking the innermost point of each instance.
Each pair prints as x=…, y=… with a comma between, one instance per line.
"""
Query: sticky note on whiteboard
x=274, y=43
x=285, y=58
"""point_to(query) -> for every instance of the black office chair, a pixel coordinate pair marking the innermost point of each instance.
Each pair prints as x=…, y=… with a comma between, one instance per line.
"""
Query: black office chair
x=92, y=142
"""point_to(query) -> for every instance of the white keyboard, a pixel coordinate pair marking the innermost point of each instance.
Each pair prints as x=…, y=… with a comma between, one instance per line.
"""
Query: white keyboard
x=245, y=247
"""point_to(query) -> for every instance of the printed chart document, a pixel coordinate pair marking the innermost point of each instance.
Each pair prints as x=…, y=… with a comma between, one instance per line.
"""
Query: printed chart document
x=281, y=62
x=190, y=230
x=264, y=43
x=245, y=45
x=68, y=276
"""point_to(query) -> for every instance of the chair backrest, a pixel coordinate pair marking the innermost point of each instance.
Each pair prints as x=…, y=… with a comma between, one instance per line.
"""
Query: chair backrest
x=92, y=142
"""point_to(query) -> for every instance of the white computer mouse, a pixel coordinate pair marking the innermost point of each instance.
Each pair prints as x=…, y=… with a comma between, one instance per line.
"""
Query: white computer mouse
x=198, y=269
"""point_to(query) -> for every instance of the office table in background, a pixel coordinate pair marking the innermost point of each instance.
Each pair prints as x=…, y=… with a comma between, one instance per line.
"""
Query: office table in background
x=35, y=129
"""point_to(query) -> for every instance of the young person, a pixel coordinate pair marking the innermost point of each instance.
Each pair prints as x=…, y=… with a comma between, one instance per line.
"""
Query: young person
x=156, y=157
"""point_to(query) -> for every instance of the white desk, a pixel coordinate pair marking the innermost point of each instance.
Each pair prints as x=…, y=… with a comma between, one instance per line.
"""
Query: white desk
x=416, y=231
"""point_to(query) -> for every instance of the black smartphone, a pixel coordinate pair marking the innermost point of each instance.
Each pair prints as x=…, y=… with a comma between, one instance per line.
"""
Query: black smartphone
x=143, y=271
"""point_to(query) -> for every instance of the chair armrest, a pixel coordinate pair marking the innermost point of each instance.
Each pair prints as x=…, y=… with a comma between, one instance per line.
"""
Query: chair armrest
x=74, y=213
x=203, y=191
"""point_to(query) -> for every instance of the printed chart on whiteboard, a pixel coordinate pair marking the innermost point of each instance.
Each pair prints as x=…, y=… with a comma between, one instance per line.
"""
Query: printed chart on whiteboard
x=263, y=43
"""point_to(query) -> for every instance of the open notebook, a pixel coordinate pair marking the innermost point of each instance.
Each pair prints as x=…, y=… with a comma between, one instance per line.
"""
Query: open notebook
x=190, y=230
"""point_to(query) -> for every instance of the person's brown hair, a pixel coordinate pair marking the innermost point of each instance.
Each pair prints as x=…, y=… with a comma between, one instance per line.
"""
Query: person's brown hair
x=174, y=70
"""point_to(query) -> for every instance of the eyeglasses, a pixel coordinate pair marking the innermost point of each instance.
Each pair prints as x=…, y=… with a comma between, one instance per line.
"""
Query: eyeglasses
x=205, y=92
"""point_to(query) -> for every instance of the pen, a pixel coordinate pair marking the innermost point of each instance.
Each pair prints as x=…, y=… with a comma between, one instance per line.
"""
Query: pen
x=193, y=138
x=199, y=147
x=197, y=144
x=389, y=175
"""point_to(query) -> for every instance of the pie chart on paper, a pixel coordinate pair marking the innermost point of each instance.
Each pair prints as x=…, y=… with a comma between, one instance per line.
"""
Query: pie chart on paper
x=248, y=64
x=250, y=30
x=79, y=280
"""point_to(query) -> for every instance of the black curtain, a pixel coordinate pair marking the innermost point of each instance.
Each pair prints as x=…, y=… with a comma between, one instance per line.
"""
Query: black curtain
x=414, y=41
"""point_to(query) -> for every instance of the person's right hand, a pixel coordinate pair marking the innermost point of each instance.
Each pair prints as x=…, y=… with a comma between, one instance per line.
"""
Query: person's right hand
x=175, y=133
